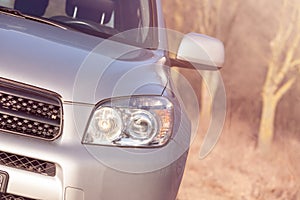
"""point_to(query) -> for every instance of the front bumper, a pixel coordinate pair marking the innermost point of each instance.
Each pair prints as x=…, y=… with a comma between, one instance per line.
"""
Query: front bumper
x=96, y=172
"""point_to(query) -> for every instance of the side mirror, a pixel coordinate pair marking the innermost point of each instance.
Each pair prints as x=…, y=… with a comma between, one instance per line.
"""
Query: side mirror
x=200, y=52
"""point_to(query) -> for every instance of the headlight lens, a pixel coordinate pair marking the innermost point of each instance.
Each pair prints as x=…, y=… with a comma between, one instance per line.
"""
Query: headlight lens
x=131, y=122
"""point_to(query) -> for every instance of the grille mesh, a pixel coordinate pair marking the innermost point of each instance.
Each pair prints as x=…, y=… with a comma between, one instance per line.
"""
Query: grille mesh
x=4, y=196
x=12, y=102
x=29, y=111
x=28, y=164
x=28, y=127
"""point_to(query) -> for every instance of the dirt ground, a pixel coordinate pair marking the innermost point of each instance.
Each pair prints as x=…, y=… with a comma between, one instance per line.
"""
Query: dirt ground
x=236, y=169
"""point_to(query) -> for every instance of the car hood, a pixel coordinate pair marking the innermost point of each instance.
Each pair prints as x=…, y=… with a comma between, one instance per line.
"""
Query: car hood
x=79, y=67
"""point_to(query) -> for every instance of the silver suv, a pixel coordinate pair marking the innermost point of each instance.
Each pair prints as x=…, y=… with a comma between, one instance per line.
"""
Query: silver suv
x=87, y=108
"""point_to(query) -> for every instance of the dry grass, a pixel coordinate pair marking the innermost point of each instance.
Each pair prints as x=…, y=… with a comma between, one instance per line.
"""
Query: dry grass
x=237, y=170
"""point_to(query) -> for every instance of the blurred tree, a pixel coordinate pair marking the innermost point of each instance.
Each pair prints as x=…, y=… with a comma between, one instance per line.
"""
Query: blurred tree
x=209, y=17
x=7, y=3
x=282, y=67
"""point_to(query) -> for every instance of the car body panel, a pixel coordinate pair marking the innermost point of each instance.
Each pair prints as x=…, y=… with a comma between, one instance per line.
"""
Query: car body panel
x=56, y=61
x=85, y=70
x=159, y=171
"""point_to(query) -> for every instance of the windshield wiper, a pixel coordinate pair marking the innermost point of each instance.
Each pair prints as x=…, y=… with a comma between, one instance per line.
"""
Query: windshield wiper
x=17, y=13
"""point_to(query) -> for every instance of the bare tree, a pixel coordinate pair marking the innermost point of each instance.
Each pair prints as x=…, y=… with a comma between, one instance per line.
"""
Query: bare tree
x=282, y=67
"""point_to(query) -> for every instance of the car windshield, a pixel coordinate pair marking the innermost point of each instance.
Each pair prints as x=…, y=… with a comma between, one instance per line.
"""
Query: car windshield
x=101, y=18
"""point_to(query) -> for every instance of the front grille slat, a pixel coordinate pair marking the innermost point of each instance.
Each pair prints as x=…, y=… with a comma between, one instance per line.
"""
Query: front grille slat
x=29, y=117
x=30, y=111
x=27, y=127
x=27, y=164
x=4, y=196
x=34, y=97
x=29, y=106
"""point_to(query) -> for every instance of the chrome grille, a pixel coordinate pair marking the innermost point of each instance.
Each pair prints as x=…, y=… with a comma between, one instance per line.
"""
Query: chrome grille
x=4, y=196
x=29, y=111
x=28, y=164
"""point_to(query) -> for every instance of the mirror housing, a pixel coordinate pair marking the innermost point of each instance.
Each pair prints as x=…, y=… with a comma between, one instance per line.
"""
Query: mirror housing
x=200, y=51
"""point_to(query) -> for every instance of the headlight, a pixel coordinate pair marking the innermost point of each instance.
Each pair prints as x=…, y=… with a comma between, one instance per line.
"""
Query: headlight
x=140, y=121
